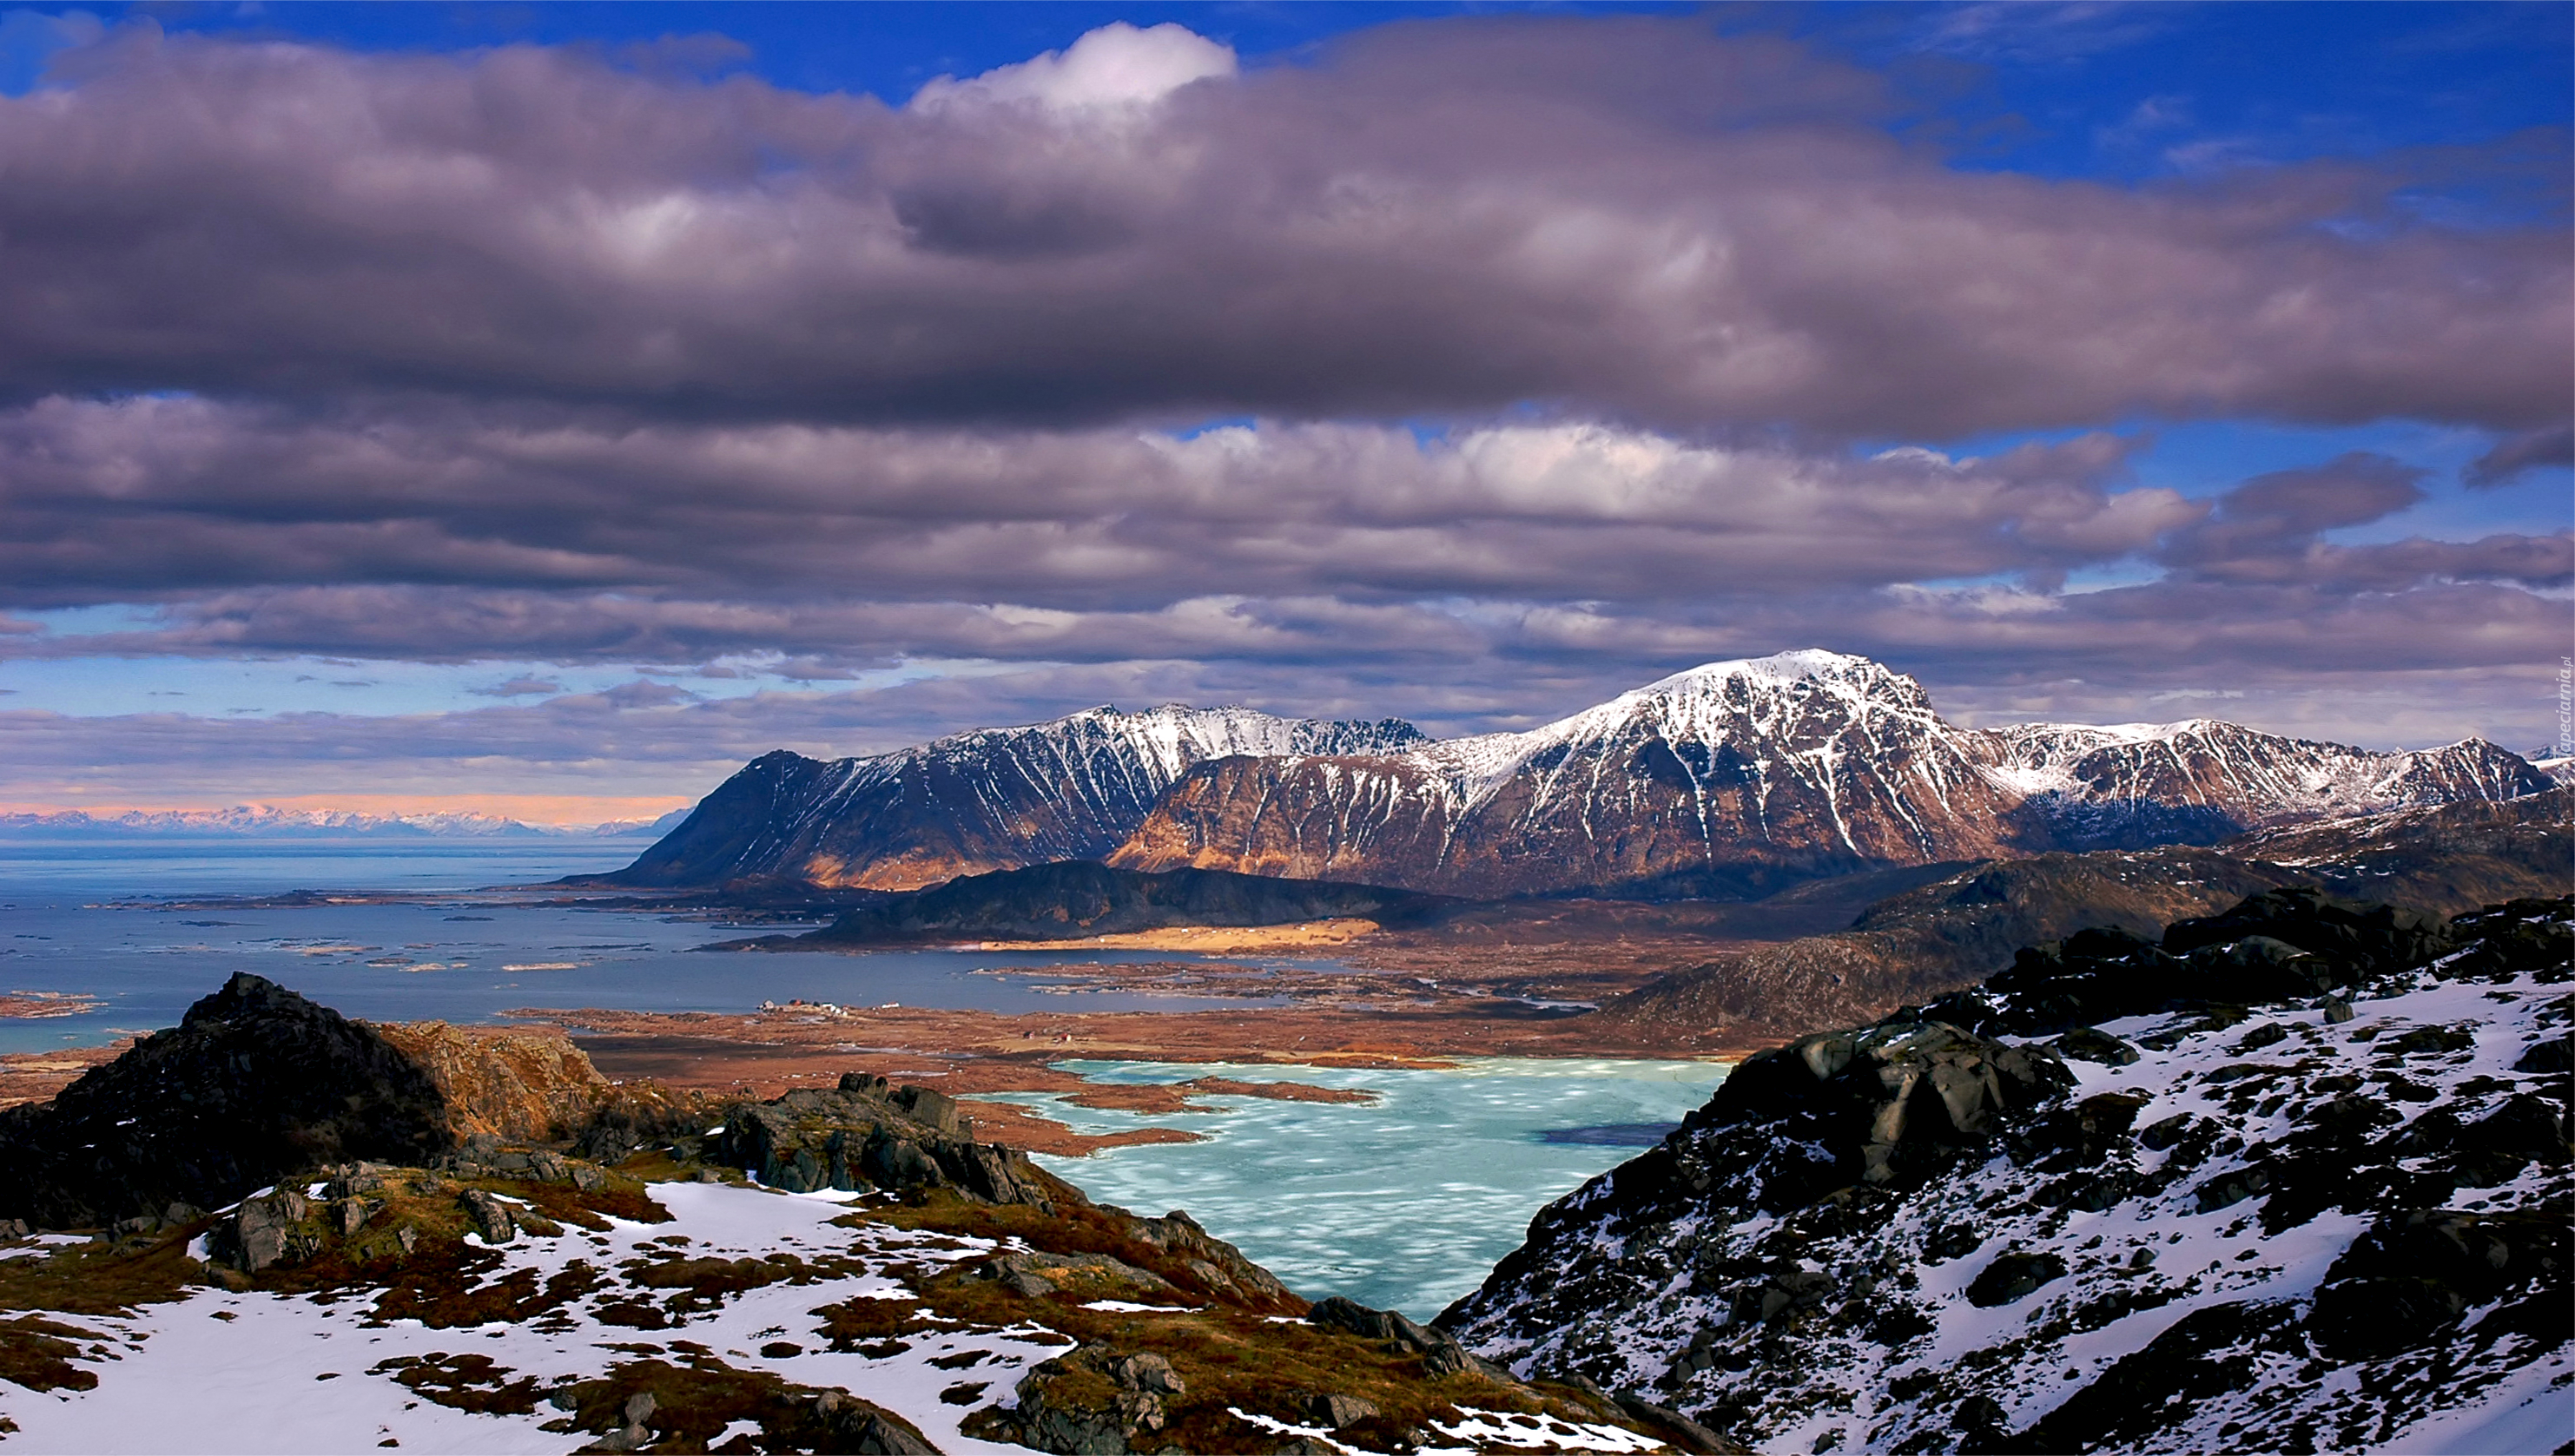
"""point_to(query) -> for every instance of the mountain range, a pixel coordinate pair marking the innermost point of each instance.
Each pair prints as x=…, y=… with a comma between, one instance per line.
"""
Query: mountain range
x=1729, y=779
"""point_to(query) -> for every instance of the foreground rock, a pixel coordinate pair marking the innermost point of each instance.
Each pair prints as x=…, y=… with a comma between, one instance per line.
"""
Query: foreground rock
x=2298, y=1180
x=255, y=1083
x=624, y=1284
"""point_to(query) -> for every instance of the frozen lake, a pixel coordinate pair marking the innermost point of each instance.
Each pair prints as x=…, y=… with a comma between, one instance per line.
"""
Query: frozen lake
x=1401, y=1204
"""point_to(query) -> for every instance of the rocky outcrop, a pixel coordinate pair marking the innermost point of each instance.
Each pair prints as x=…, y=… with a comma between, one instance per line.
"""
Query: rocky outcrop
x=254, y=1084
x=2309, y=1177
x=1094, y=1401
x=505, y=1083
x=995, y=799
x=865, y=1135
x=2283, y=945
x=1082, y=899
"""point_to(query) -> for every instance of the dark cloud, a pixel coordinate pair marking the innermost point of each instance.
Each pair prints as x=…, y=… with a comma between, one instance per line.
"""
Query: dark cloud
x=753, y=525
x=2270, y=530
x=2516, y=454
x=1627, y=217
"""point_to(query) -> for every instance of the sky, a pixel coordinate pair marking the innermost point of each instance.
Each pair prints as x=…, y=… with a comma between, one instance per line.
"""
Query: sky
x=554, y=407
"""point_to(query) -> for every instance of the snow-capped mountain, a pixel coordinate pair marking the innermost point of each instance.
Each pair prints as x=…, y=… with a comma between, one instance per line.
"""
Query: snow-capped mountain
x=260, y=821
x=1743, y=773
x=1725, y=778
x=2116, y=787
x=994, y=799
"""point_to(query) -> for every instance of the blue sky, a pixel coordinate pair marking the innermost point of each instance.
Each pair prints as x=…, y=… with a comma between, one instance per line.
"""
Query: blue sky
x=295, y=448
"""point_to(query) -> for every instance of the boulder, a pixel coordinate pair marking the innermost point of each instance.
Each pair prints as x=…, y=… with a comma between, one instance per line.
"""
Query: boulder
x=865, y=1429
x=1890, y=1103
x=1333, y=1412
x=859, y=1137
x=2014, y=1276
x=265, y=1232
x=492, y=1218
x=2086, y=1043
x=1094, y=1401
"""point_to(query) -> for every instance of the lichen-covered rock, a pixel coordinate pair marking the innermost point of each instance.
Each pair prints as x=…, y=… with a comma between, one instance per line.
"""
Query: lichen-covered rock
x=512, y=1084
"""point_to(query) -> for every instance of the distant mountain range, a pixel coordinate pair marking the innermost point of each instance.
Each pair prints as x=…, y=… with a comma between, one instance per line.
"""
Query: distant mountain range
x=259, y=820
x=1728, y=780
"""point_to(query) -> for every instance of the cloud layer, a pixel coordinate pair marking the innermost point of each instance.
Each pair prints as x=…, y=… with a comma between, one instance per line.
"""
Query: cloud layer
x=1547, y=354
x=1626, y=218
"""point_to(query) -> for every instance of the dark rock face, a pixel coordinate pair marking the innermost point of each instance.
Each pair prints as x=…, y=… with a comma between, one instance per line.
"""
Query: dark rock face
x=2283, y=945
x=864, y=1135
x=1891, y=1105
x=1780, y=1271
x=256, y=1083
x=1080, y=898
x=2406, y=1282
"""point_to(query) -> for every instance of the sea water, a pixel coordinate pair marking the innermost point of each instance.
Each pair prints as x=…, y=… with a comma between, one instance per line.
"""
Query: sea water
x=150, y=927
x=1404, y=1201
x=1401, y=1204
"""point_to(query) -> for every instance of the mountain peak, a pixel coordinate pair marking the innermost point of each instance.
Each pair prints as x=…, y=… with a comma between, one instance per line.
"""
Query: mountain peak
x=1816, y=662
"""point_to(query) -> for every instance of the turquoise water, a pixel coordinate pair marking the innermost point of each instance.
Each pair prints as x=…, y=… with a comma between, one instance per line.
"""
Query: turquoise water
x=1404, y=1204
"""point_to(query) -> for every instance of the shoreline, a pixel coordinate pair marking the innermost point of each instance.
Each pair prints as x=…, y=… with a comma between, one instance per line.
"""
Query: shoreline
x=968, y=1052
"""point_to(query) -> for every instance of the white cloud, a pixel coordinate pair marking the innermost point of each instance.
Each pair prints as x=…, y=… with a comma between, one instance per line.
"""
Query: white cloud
x=1115, y=67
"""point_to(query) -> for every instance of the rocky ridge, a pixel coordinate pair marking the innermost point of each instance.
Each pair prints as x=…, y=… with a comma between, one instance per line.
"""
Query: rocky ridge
x=255, y=1083
x=2294, y=1177
x=1959, y=929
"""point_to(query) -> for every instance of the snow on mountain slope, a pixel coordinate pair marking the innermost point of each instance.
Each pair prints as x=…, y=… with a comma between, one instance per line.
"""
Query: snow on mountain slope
x=1730, y=778
x=2122, y=787
x=1743, y=773
x=993, y=798
x=2200, y=1228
